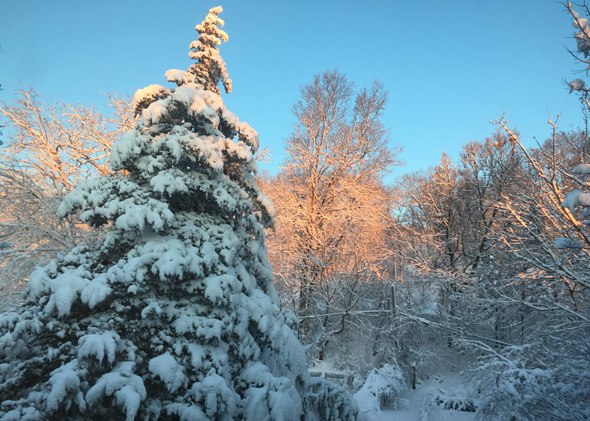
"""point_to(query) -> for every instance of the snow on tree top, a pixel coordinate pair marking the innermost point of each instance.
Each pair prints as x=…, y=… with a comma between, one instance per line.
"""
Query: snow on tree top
x=574, y=199
x=209, y=68
x=180, y=77
x=566, y=243
x=576, y=85
x=215, y=11
x=581, y=169
x=580, y=23
x=144, y=97
x=201, y=105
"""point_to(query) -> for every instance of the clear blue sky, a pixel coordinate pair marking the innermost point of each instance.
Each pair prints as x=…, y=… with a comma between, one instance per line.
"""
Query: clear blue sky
x=449, y=66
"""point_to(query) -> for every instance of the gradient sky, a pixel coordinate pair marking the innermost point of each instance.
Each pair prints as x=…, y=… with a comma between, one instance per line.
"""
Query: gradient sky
x=449, y=66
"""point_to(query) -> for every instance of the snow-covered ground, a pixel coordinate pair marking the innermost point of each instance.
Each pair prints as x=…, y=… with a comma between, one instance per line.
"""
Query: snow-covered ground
x=427, y=402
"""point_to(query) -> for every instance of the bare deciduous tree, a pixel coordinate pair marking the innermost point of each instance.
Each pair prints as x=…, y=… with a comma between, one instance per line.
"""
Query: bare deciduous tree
x=333, y=210
x=49, y=148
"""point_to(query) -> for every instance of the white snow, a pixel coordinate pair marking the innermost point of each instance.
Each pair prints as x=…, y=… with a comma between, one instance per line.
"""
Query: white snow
x=382, y=387
x=64, y=289
x=64, y=381
x=580, y=23
x=169, y=371
x=581, y=169
x=427, y=402
x=216, y=286
x=150, y=93
x=576, y=85
x=129, y=146
x=186, y=412
x=218, y=398
x=152, y=309
x=121, y=379
x=267, y=204
x=25, y=414
x=576, y=198
x=129, y=399
x=566, y=243
x=180, y=77
x=95, y=291
x=99, y=346
x=266, y=391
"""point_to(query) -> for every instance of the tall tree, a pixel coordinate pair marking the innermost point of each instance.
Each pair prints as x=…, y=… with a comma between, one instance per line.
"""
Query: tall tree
x=333, y=208
x=174, y=314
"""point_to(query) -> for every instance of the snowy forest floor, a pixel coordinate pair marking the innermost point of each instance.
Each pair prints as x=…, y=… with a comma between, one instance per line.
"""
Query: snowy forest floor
x=428, y=401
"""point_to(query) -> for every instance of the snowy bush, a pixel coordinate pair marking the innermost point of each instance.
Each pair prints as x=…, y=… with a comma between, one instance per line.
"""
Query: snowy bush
x=446, y=400
x=328, y=401
x=537, y=381
x=174, y=314
x=382, y=389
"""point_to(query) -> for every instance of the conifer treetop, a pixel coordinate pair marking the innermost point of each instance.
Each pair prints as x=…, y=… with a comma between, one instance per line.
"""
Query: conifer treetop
x=209, y=68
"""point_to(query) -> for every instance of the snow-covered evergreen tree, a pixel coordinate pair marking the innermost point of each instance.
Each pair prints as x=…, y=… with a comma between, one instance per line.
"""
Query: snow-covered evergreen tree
x=174, y=315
